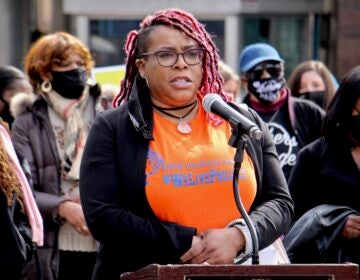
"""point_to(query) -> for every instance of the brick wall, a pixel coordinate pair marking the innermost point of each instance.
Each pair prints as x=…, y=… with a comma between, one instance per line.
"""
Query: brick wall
x=347, y=39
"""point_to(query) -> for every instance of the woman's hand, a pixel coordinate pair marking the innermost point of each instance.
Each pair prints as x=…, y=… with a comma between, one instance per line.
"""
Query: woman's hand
x=217, y=246
x=351, y=228
x=72, y=212
x=196, y=248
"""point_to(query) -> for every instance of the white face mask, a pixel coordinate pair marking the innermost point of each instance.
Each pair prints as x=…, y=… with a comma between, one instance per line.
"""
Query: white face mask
x=266, y=90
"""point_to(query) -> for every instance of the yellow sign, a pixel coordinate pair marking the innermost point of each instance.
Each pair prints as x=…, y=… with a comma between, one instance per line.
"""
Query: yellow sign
x=109, y=74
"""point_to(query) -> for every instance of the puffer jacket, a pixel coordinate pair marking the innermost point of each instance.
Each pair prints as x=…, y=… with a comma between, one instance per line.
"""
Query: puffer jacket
x=33, y=137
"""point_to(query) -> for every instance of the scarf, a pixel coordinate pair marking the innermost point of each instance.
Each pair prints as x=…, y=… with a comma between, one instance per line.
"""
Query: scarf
x=28, y=200
x=76, y=130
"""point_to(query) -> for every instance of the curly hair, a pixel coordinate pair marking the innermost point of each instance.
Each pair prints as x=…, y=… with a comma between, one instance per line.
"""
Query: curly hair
x=9, y=183
x=50, y=50
x=137, y=42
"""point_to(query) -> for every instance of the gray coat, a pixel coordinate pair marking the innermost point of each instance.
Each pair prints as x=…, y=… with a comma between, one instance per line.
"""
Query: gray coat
x=34, y=139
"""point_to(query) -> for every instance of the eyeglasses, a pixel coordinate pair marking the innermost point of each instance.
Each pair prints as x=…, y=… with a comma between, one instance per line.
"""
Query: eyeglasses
x=169, y=58
x=274, y=69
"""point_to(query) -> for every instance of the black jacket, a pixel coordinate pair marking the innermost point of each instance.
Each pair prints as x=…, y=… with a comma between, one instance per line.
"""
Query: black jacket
x=112, y=190
x=324, y=175
x=14, y=254
x=10, y=257
x=299, y=123
x=316, y=237
x=305, y=118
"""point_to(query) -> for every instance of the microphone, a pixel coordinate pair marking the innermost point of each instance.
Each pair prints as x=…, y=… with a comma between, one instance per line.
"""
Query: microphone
x=213, y=103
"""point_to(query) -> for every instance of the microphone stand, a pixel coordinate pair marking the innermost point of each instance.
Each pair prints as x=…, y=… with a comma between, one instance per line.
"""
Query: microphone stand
x=238, y=141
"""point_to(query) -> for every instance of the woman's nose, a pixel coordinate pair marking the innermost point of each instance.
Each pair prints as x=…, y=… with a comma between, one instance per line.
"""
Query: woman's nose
x=180, y=62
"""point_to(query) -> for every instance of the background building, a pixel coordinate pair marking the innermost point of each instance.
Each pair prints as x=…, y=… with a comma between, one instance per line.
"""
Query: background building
x=299, y=29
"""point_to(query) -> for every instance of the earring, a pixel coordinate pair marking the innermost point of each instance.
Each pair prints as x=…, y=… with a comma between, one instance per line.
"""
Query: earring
x=90, y=81
x=46, y=87
x=146, y=81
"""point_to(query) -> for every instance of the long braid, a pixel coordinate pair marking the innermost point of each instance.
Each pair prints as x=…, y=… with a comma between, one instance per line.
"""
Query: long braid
x=185, y=22
x=131, y=69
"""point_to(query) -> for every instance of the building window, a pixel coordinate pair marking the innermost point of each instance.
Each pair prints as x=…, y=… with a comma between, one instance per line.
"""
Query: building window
x=289, y=35
x=107, y=39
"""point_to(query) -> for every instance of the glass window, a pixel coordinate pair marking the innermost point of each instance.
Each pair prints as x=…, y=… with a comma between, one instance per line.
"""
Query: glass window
x=216, y=28
x=107, y=38
x=287, y=34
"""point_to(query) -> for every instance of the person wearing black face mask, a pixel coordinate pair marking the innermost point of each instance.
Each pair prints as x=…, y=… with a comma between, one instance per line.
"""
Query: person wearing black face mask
x=312, y=80
x=326, y=180
x=69, y=84
x=315, y=96
x=51, y=135
x=293, y=123
x=12, y=81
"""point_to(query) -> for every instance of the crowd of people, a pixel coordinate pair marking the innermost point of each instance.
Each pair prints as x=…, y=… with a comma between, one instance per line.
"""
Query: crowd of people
x=113, y=179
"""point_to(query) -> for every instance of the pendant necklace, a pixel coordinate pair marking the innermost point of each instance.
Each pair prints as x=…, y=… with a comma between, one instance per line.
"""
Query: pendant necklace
x=183, y=127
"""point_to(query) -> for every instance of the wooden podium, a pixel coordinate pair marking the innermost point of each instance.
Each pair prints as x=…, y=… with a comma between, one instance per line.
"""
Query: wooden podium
x=246, y=272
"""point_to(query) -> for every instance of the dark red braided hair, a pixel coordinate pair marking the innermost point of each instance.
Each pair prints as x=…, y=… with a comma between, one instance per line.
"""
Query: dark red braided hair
x=136, y=44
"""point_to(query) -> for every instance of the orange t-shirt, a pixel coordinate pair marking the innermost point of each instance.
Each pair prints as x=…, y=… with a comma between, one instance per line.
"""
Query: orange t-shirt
x=189, y=176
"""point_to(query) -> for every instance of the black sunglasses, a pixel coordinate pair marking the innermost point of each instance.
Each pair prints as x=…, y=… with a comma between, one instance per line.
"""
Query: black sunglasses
x=274, y=69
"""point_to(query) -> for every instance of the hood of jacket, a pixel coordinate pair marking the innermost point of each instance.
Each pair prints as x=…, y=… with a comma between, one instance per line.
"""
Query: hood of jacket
x=20, y=103
x=140, y=110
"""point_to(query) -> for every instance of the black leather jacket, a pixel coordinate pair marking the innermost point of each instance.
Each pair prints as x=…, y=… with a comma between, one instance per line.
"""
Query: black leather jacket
x=316, y=237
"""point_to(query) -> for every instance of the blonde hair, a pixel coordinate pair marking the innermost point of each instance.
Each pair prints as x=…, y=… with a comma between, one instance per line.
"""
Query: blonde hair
x=228, y=74
x=109, y=91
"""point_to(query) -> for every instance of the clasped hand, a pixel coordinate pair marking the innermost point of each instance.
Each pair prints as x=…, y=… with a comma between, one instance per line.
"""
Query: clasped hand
x=72, y=212
x=351, y=228
x=215, y=246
